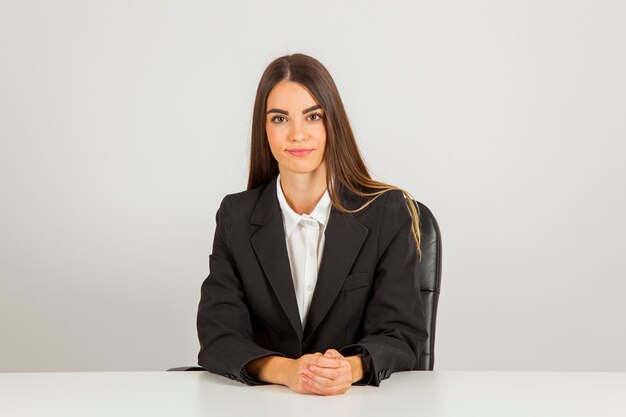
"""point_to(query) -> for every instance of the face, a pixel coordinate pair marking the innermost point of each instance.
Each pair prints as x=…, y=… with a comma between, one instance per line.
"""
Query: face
x=295, y=128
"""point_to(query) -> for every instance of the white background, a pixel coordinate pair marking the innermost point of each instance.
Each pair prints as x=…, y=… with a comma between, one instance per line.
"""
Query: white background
x=124, y=123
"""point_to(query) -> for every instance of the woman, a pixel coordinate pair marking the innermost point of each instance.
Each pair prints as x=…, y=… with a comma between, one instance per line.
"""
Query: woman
x=313, y=279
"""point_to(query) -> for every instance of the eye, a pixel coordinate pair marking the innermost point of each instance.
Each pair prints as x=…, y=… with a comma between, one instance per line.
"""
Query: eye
x=273, y=119
x=319, y=116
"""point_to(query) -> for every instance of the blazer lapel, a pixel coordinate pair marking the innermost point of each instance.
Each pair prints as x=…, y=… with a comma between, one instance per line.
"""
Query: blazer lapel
x=271, y=250
x=344, y=237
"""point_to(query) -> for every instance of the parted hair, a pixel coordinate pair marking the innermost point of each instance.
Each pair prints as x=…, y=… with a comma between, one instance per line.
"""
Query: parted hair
x=343, y=160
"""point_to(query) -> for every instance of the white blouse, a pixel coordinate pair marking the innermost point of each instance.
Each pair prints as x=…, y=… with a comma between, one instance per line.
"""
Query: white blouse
x=304, y=235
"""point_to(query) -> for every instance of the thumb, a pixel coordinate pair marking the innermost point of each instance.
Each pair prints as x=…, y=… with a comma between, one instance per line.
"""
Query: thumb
x=332, y=353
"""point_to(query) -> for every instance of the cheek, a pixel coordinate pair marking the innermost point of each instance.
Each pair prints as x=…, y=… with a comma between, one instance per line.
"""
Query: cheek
x=322, y=140
x=275, y=143
x=273, y=146
x=321, y=135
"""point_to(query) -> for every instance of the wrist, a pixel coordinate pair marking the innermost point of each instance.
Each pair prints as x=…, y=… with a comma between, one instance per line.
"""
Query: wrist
x=356, y=364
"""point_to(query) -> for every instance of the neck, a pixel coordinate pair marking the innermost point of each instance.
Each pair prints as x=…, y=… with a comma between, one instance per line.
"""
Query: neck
x=303, y=190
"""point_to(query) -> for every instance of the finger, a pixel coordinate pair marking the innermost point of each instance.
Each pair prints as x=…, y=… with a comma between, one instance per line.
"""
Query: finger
x=315, y=391
x=302, y=385
x=323, y=380
x=330, y=373
x=326, y=362
x=321, y=389
x=308, y=385
x=335, y=377
x=302, y=388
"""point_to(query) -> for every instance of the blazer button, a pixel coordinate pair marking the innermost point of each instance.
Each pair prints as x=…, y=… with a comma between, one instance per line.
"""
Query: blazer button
x=387, y=373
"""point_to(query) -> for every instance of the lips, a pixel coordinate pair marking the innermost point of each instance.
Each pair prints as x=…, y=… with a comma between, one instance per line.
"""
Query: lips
x=300, y=152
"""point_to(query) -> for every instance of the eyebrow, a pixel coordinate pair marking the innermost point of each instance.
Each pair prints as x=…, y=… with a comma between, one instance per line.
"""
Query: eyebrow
x=285, y=112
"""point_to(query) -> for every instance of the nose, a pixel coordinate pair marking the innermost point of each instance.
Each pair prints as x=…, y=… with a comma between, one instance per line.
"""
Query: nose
x=298, y=131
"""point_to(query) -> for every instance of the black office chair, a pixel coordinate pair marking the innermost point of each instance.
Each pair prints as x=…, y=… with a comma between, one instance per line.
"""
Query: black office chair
x=430, y=273
x=430, y=285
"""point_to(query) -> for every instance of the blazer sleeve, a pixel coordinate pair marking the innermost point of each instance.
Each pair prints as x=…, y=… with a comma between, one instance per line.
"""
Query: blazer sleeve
x=223, y=322
x=394, y=323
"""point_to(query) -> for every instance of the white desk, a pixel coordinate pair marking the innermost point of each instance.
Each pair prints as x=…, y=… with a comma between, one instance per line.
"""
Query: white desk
x=429, y=394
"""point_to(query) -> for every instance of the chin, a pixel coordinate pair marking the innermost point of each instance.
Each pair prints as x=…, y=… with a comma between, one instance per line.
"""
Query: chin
x=303, y=168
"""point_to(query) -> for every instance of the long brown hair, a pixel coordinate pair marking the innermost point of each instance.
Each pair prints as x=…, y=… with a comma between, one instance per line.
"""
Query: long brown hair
x=344, y=164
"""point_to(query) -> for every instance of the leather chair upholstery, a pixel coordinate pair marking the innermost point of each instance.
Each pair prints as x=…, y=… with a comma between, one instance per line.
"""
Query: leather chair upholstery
x=430, y=285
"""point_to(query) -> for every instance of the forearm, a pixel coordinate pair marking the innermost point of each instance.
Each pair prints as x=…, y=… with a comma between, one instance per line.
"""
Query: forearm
x=270, y=369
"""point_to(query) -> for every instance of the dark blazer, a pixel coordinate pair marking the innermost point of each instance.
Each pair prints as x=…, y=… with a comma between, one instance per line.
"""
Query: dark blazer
x=366, y=300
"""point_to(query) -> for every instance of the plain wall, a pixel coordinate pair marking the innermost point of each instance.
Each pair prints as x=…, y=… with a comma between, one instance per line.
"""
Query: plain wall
x=124, y=123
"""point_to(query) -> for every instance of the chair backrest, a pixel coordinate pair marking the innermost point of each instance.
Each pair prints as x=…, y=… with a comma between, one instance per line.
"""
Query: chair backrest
x=430, y=281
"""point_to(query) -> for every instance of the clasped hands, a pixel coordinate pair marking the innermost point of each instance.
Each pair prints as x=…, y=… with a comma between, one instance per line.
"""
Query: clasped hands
x=329, y=373
x=323, y=374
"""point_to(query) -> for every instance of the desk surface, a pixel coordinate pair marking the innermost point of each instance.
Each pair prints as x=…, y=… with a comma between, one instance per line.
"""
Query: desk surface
x=439, y=393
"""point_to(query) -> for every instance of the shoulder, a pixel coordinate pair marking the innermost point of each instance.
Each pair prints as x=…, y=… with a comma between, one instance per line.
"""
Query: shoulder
x=385, y=213
x=394, y=199
x=242, y=202
x=391, y=205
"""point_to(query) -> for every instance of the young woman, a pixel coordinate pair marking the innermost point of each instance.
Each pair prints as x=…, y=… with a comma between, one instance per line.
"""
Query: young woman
x=313, y=278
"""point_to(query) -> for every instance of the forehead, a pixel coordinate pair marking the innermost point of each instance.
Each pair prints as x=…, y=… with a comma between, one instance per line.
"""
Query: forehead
x=290, y=94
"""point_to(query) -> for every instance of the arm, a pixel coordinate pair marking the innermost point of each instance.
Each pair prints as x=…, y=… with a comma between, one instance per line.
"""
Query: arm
x=223, y=322
x=394, y=323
